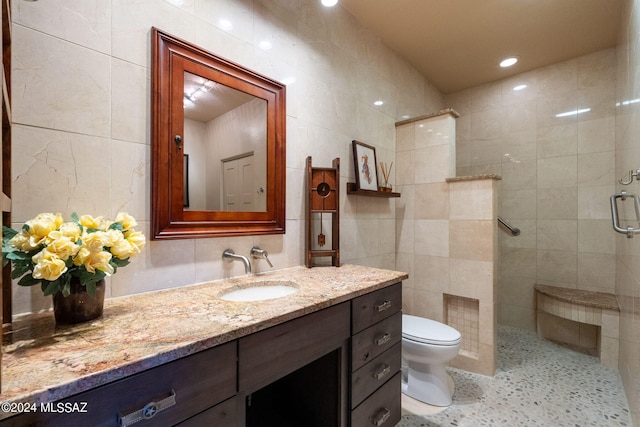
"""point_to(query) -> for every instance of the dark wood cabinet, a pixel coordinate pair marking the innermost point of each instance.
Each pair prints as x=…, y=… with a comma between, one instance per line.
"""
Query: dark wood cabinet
x=223, y=414
x=166, y=395
x=275, y=352
x=371, y=376
x=382, y=408
x=336, y=367
x=376, y=358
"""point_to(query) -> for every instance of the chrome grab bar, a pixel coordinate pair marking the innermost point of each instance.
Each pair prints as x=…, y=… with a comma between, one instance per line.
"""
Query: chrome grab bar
x=629, y=230
x=513, y=230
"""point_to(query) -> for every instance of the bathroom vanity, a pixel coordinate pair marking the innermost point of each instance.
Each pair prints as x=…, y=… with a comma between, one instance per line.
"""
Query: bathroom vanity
x=325, y=355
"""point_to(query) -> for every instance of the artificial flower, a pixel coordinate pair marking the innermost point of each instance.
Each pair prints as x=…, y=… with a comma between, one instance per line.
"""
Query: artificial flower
x=49, y=251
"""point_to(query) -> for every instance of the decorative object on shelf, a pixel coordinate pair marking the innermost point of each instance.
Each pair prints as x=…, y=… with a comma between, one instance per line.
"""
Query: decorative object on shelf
x=323, y=197
x=364, y=162
x=71, y=259
x=386, y=173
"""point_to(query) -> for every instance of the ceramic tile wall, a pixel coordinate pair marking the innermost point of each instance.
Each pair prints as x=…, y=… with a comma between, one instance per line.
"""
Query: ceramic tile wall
x=628, y=157
x=447, y=239
x=594, y=329
x=474, y=262
x=81, y=85
x=558, y=174
x=423, y=213
x=463, y=314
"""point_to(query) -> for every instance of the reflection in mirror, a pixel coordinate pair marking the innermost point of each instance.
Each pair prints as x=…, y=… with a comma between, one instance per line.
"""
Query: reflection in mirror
x=218, y=145
x=225, y=136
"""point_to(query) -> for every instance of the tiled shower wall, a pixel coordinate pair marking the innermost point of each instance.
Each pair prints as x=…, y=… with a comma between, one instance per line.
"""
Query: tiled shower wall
x=447, y=239
x=628, y=250
x=558, y=174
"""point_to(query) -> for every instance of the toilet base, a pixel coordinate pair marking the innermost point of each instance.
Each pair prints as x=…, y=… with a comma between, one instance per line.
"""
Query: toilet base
x=429, y=384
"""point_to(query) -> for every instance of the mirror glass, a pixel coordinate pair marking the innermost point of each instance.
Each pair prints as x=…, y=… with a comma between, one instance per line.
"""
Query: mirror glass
x=225, y=147
x=218, y=145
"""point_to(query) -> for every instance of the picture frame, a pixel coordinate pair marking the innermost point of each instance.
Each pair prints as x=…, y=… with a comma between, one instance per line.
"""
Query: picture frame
x=365, y=166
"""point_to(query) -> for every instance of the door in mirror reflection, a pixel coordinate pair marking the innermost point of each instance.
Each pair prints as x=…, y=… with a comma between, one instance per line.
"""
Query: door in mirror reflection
x=225, y=136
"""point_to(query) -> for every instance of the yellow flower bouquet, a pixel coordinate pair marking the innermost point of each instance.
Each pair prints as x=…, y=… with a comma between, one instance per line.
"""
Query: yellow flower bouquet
x=49, y=251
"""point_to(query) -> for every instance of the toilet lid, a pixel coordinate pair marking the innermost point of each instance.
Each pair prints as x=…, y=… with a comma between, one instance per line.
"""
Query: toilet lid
x=428, y=331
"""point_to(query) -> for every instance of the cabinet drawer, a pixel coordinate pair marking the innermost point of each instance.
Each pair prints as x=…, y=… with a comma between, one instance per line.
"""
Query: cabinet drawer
x=376, y=306
x=375, y=340
x=223, y=414
x=383, y=408
x=367, y=379
x=275, y=352
x=198, y=382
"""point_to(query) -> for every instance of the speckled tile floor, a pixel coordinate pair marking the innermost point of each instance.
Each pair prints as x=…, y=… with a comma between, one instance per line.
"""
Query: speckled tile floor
x=537, y=383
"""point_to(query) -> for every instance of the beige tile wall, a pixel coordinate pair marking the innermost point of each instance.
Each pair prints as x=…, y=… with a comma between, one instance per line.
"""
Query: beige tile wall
x=447, y=240
x=558, y=174
x=463, y=314
x=627, y=146
x=590, y=328
x=82, y=120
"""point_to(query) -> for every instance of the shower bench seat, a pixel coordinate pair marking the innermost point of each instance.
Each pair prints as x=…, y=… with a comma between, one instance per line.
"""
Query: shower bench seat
x=590, y=307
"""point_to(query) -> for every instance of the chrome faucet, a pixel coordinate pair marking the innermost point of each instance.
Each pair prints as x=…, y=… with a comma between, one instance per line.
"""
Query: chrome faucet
x=229, y=256
x=257, y=253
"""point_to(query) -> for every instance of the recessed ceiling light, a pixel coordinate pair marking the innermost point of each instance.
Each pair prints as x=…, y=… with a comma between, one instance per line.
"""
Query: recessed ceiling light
x=265, y=45
x=378, y=102
x=519, y=87
x=508, y=62
x=329, y=3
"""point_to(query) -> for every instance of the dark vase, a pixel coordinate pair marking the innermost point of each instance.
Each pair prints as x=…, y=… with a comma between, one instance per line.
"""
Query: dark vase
x=79, y=306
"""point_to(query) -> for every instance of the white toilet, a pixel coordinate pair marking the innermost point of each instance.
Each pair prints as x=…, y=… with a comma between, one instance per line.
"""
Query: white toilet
x=427, y=346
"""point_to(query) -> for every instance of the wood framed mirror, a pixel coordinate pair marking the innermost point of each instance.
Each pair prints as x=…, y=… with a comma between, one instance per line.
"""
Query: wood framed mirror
x=230, y=122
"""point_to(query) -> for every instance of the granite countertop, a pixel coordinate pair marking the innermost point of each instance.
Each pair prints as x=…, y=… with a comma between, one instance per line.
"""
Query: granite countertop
x=43, y=362
x=604, y=300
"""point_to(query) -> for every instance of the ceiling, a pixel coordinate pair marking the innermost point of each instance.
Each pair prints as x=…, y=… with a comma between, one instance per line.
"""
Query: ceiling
x=457, y=44
x=211, y=99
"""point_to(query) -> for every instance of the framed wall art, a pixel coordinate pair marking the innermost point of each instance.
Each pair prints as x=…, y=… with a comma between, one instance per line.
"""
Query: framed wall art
x=364, y=161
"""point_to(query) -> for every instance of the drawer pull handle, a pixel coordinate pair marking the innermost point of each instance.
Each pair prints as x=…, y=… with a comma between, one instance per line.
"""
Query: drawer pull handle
x=384, y=306
x=148, y=411
x=383, y=339
x=382, y=373
x=381, y=417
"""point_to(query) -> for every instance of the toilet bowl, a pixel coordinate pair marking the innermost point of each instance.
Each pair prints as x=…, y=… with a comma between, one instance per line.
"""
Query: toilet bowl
x=427, y=346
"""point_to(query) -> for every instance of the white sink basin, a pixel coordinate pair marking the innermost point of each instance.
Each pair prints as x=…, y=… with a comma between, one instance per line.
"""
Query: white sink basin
x=260, y=291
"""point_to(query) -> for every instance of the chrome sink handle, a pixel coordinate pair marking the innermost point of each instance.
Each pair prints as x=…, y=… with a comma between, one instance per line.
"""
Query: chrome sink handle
x=257, y=253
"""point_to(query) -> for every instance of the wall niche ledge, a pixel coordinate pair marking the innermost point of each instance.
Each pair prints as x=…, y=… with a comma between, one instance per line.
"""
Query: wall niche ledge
x=474, y=177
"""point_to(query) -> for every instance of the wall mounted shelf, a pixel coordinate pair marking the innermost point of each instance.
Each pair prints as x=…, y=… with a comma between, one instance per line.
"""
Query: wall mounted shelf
x=352, y=188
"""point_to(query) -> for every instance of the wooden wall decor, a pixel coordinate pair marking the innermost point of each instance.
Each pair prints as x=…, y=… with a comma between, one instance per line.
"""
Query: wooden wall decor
x=323, y=197
x=5, y=164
